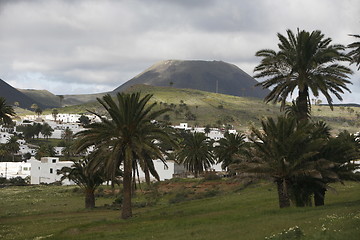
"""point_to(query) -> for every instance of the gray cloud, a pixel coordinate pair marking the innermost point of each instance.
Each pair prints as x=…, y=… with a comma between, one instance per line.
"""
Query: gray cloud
x=90, y=46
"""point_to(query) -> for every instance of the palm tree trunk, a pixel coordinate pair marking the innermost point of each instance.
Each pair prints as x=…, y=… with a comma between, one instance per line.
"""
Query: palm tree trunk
x=147, y=175
x=282, y=188
x=303, y=105
x=319, y=197
x=127, y=189
x=89, y=198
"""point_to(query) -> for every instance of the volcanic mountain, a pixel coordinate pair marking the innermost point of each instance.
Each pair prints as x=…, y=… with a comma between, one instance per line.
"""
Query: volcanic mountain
x=210, y=76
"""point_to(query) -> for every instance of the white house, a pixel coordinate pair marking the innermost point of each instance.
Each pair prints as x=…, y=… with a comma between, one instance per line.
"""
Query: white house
x=14, y=169
x=5, y=136
x=25, y=148
x=165, y=171
x=45, y=170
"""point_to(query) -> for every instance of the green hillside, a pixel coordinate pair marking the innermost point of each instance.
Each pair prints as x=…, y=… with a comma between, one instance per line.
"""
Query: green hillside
x=208, y=108
x=43, y=96
x=218, y=109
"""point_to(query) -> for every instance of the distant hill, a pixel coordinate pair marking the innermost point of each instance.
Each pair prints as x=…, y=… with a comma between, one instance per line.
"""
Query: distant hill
x=44, y=97
x=81, y=98
x=210, y=76
x=50, y=100
x=13, y=95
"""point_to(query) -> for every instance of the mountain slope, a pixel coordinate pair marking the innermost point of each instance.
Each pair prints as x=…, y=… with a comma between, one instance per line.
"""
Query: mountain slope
x=45, y=97
x=13, y=95
x=210, y=76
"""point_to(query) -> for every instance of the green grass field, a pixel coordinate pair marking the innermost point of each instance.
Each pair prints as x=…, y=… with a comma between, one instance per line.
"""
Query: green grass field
x=56, y=212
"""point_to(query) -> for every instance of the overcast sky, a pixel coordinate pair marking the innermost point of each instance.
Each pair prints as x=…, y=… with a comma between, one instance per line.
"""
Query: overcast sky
x=84, y=46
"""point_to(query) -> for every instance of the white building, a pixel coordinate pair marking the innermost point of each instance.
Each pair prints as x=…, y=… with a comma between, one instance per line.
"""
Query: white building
x=165, y=172
x=25, y=148
x=45, y=170
x=5, y=136
x=215, y=133
x=14, y=169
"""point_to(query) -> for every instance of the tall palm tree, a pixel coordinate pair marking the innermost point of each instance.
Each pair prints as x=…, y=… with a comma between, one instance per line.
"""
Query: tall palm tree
x=228, y=148
x=306, y=62
x=6, y=112
x=127, y=135
x=195, y=153
x=355, y=52
x=89, y=180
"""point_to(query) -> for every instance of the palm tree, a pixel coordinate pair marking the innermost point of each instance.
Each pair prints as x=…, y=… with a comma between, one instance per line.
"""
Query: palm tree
x=127, y=135
x=46, y=130
x=283, y=151
x=307, y=63
x=355, y=52
x=6, y=112
x=342, y=151
x=229, y=147
x=61, y=98
x=38, y=111
x=45, y=150
x=54, y=113
x=195, y=153
x=85, y=178
x=13, y=146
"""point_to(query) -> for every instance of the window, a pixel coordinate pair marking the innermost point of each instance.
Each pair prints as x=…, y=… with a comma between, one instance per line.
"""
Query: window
x=54, y=160
x=51, y=170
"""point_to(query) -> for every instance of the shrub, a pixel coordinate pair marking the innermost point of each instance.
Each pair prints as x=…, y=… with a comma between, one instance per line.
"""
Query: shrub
x=208, y=176
x=181, y=196
x=17, y=181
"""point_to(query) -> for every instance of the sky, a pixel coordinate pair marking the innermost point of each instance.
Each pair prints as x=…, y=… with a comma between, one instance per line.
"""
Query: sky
x=89, y=46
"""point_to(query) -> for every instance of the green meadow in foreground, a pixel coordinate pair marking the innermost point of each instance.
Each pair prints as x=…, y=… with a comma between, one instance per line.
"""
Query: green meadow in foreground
x=187, y=210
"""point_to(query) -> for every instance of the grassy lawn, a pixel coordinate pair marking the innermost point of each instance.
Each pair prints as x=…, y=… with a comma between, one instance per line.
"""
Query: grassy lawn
x=56, y=212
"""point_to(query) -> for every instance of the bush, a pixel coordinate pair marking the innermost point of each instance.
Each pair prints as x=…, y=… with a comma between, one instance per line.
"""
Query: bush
x=181, y=196
x=118, y=200
x=211, y=193
x=208, y=176
x=17, y=181
x=3, y=180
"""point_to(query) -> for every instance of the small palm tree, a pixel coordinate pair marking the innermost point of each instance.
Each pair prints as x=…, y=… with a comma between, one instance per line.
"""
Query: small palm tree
x=306, y=62
x=54, y=113
x=228, y=148
x=127, y=136
x=283, y=151
x=46, y=130
x=12, y=146
x=85, y=178
x=38, y=111
x=195, y=153
x=45, y=150
x=342, y=151
x=6, y=112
